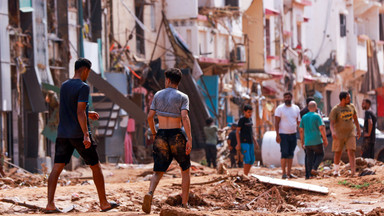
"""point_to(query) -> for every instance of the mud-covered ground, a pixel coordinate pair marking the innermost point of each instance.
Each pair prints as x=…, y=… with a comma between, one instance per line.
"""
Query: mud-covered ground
x=228, y=193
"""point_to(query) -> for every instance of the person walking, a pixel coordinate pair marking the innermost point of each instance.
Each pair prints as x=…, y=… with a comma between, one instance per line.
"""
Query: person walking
x=210, y=132
x=232, y=143
x=245, y=138
x=287, y=119
x=305, y=110
x=368, y=148
x=74, y=133
x=344, y=125
x=171, y=107
x=313, y=137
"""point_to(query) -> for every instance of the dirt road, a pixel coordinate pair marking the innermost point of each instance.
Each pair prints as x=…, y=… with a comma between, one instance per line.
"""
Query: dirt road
x=224, y=195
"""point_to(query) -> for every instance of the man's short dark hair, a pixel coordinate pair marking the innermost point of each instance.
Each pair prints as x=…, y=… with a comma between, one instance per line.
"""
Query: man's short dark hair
x=309, y=99
x=174, y=75
x=343, y=95
x=287, y=93
x=233, y=125
x=247, y=107
x=367, y=101
x=82, y=62
x=209, y=121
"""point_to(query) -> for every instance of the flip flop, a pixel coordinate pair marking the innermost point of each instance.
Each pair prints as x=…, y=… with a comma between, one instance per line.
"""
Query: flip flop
x=53, y=211
x=113, y=205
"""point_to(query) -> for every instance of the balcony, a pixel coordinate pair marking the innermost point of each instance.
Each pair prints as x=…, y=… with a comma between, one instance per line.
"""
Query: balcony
x=361, y=56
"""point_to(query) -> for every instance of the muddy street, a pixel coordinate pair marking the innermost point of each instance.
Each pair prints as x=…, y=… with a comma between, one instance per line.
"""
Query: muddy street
x=229, y=193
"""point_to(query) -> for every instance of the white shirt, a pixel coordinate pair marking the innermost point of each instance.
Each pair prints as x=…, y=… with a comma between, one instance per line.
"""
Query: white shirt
x=289, y=115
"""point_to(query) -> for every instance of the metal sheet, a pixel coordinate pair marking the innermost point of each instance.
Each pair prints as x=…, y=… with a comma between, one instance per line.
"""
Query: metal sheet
x=35, y=95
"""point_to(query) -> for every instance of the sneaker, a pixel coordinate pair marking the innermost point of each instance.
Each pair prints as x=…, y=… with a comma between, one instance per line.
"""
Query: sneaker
x=284, y=176
x=292, y=176
x=147, y=203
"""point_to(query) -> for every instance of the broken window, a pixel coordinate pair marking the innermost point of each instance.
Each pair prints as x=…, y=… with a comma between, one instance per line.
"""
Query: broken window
x=343, y=25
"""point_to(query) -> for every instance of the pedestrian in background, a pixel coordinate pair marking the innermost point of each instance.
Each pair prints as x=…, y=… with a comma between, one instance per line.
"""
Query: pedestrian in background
x=344, y=125
x=74, y=133
x=210, y=132
x=368, y=148
x=313, y=137
x=305, y=110
x=246, y=141
x=232, y=143
x=287, y=119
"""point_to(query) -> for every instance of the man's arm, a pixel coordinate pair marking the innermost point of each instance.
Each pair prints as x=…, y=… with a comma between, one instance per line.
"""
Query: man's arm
x=151, y=121
x=238, y=146
x=301, y=130
x=277, y=123
x=357, y=126
x=187, y=128
x=332, y=126
x=324, y=135
x=370, y=126
x=229, y=144
x=82, y=118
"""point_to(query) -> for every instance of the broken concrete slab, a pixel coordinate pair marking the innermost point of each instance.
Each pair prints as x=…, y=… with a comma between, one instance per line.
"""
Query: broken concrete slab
x=292, y=184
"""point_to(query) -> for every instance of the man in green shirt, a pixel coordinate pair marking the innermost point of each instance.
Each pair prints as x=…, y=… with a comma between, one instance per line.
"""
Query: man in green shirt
x=313, y=137
x=344, y=125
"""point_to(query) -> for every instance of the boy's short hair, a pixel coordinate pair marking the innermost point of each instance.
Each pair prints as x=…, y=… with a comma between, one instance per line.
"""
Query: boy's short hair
x=174, y=75
x=82, y=62
x=233, y=125
x=247, y=107
x=209, y=121
x=368, y=101
x=343, y=95
x=287, y=93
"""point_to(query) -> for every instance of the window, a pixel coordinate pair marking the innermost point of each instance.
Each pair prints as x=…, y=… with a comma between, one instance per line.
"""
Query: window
x=343, y=25
x=267, y=37
x=140, y=46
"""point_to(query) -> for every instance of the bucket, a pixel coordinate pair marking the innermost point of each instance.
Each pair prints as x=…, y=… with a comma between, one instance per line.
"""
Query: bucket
x=271, y=155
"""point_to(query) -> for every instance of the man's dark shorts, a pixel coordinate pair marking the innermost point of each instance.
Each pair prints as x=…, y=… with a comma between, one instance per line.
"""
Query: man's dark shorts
x=288, y=145
x=169, y=144
x=368, y=148
x=65, y=146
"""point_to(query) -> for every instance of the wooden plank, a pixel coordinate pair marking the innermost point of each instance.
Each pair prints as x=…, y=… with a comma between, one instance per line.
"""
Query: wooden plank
x=292, y=184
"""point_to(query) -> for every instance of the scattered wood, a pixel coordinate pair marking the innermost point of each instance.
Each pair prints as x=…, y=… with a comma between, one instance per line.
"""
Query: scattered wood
x=292, y=184
x=34, y=207
x=203, y=183
x=14, y=165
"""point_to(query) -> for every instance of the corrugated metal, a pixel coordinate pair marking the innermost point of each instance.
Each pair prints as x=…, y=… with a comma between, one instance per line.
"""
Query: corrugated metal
x=40, y=41
x=5, y=68
x=211, y=94
x=198, y=111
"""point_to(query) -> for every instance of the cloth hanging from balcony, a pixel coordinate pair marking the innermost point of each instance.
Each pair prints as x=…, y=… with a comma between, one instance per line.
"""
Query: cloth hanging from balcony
x=372, y=79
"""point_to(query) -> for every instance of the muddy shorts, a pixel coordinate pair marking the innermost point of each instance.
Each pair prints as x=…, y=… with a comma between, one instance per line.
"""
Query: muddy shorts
x=65, y=146
x=348, y=142
x=288, y=145
x=169, y=144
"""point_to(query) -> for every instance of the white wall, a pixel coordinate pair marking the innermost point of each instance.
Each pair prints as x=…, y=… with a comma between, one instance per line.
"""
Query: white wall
x=181, y=9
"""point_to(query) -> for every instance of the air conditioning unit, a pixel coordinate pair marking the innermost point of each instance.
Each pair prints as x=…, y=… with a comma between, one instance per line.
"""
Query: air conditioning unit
x=240, y=53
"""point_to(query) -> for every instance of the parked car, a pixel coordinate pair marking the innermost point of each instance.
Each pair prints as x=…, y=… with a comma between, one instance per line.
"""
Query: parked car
x=379, y=144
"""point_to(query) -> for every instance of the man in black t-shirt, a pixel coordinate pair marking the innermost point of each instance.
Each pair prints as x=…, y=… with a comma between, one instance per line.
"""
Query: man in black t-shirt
x=305, y=110
x=74, y=133
x=369, y=131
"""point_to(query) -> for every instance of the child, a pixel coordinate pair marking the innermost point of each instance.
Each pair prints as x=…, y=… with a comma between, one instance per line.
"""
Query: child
x=246, y=139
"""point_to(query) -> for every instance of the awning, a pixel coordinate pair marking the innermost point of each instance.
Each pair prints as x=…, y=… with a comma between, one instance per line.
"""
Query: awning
x=271, y=12
x=276, y=74
x=35, y=95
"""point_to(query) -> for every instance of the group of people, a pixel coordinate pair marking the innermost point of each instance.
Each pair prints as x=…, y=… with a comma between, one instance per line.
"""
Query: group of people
x=171, y=141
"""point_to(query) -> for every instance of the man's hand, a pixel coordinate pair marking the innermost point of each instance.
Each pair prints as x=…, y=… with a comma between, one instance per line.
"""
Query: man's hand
x=238, y=147
x=367, y=135
x=302, y=144
x=87, y=141
x=93, y=115
x=257, y=145
x=188, y=147
x=358, y=134
x=325, y=143
x=230, y=147
x=334, y=136
x=278, y=139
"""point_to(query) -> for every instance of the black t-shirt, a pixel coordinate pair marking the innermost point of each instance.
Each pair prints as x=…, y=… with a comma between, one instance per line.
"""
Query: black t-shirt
x=369, y=115
x=305, y=110
x=245, y=125
x=232, y=138
x=72, y=91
